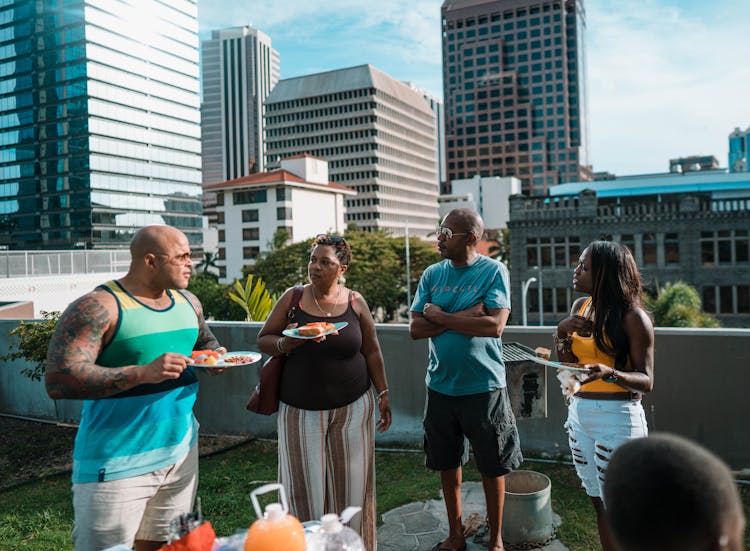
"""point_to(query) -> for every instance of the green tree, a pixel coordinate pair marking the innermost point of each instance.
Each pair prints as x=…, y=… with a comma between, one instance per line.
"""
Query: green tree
x=500, y=249
x=282, y=268
x=678, y=305
x=214, y=298
x=377, y=269
x=33, y=341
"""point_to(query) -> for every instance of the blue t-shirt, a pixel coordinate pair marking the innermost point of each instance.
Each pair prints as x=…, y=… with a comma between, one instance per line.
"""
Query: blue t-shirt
x=461, y=364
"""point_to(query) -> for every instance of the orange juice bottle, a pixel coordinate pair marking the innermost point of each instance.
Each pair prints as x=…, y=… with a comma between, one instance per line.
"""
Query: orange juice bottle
x=276, y=530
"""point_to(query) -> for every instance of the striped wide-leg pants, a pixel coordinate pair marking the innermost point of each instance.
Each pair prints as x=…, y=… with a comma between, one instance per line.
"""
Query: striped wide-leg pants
x=327, y=462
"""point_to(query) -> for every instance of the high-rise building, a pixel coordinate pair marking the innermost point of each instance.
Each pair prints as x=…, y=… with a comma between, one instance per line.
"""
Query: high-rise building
x=514, y=78
x=436, y=104
x=240, y=68
x=99, y=121
x=378, y=136
x=739, y=145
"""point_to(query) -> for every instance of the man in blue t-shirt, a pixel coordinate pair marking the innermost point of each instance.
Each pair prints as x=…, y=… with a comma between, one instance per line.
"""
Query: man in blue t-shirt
x=462, y=305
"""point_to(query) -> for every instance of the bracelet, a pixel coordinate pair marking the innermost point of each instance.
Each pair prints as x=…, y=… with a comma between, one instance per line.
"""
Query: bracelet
x=381, y=394
x=613, y=376
x=279, y=346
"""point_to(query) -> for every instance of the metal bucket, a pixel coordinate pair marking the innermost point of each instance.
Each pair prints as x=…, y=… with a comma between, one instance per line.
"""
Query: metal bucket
x=527, y=515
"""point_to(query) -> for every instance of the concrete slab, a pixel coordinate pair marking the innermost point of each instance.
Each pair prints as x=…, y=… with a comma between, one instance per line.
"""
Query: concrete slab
x=419, y=526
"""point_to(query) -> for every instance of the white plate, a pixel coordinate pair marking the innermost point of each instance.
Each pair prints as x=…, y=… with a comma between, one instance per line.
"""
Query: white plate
x=561, y=366
x=294, y=333
x=252, y=357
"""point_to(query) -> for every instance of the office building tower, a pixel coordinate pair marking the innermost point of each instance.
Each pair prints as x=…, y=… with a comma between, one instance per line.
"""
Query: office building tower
x=514, y=78
x=100, y=132
x=378, y=136
x=436, y=105
x=239, y=69
x=739, y=143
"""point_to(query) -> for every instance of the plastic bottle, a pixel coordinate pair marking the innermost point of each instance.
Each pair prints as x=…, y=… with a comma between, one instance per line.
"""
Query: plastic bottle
x=276, y=530
x=334, y=536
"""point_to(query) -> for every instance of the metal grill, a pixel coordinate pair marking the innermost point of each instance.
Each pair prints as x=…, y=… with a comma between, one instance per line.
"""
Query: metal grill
x=517, y=352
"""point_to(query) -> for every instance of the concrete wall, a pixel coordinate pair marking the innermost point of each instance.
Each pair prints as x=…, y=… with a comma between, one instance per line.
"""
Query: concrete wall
x=702, y=380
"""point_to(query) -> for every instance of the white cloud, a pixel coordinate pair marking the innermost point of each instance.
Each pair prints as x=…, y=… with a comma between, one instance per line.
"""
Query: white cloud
x=666, y=78
x=400, y=37
x=663, y=83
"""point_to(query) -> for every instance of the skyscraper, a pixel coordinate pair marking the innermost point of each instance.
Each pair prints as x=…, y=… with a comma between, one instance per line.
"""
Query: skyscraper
x=739, y=145
x=240, y=68
x=99, y=121
x=514, y=78
x=378, y=136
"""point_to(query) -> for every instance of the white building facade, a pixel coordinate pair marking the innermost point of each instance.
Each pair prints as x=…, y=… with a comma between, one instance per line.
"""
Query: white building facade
x=239, y=70
x=486, y=195
x=378, y=136
x=298, y=198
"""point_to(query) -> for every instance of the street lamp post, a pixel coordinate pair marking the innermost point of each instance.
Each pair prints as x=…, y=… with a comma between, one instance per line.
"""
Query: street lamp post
x=524, y=289
x=540, y=296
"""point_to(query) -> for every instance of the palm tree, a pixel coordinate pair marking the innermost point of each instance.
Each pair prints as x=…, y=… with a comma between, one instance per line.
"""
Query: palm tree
x=208, y=264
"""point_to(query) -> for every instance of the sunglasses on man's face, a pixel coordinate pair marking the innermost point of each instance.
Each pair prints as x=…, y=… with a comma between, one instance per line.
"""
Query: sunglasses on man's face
x=447, y=232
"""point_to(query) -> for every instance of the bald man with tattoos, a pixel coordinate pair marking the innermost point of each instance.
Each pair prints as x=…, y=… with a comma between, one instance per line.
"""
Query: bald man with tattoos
x=123, y=349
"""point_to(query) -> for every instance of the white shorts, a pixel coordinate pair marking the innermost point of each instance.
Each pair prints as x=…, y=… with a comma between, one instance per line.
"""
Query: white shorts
x=596, y=428
x=136, y=508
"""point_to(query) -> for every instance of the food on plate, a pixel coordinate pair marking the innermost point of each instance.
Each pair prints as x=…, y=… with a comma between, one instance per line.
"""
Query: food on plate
x=315, y=329
x=205, y=357
x=239, y=359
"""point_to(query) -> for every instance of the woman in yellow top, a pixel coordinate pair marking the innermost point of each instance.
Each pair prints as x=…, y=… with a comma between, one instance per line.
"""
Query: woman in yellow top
x=612, y=335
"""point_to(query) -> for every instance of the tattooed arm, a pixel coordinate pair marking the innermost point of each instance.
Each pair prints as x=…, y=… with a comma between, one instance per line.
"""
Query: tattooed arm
x=78, y=339
x=206, y=339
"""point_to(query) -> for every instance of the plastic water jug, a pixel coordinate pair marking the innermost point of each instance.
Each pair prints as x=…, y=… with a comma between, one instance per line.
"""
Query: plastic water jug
x=276, y=530
x=334, y=536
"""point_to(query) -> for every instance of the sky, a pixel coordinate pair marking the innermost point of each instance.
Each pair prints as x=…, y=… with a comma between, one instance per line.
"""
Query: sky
x=666, y=78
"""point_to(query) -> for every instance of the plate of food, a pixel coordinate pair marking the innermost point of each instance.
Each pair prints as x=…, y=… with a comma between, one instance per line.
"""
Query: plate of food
x=315, y=330
x=211, y=359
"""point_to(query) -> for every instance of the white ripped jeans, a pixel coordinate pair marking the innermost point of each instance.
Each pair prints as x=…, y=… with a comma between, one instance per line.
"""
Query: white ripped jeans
x=596, y=428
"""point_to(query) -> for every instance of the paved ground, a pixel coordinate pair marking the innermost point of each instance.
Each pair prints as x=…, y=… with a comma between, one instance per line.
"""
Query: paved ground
x=419, y=526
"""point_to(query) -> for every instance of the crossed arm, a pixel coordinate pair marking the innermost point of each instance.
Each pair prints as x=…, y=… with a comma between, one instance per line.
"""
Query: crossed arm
x=82, y=331
x=476, y=321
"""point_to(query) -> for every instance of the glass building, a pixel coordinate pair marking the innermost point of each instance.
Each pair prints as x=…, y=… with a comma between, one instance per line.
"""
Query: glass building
x=514, y=83
x=99, y=121
x=240, y=68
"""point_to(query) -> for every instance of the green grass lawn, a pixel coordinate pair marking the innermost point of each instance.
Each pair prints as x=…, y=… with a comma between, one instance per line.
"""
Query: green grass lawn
x=39, y=515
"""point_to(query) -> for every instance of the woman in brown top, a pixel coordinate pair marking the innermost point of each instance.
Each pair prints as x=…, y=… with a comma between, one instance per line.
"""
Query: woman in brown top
x=326, y=423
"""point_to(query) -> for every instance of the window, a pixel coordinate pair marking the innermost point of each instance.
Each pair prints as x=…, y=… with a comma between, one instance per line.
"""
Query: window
x=250, y=215
x=284, y=213
x=649, y=249
x=725, y=300
x=724, y=247
x=709, y=300
x=671, y=249
x=250, y=234
x=249, y=197
x=283, y=193
x=743, y=299
x=250, y=253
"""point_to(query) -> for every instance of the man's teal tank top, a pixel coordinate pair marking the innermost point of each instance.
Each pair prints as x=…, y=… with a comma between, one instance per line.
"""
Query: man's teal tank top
x=150, y=426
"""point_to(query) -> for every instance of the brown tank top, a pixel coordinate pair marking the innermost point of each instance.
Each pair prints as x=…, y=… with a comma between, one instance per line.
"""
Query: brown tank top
x=329, y=374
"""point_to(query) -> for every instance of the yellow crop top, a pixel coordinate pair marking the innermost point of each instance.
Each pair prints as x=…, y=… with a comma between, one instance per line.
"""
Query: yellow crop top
x=587, y=352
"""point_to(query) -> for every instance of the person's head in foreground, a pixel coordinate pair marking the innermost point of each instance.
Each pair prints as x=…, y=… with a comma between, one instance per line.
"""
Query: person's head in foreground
x=666, y=493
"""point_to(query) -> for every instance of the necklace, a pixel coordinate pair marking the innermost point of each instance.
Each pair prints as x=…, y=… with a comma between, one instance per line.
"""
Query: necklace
x=328, y=314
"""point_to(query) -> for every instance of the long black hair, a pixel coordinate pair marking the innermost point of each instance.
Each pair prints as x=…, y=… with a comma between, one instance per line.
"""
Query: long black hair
x=616, y=290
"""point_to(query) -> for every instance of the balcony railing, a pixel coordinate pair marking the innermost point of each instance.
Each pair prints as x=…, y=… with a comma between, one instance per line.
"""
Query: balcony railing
x=50, y=263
